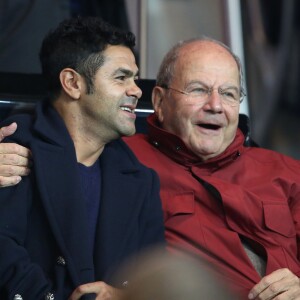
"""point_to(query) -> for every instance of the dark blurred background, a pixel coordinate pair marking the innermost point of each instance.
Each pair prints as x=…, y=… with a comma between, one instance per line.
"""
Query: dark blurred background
x=24, y=23
x=264, y=33
x=272, y=51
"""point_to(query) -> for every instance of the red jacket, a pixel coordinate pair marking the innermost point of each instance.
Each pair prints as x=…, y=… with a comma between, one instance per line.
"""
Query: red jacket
x=208, y=206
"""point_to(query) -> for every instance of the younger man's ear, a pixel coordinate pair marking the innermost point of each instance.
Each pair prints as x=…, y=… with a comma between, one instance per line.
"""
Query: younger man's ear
x=158, y=96
x=71, y=82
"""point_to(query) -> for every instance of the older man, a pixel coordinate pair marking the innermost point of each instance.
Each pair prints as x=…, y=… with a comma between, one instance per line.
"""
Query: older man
x=238, y=207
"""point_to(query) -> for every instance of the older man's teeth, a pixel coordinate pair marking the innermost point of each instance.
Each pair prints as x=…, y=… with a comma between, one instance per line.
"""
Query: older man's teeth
x=127, y=109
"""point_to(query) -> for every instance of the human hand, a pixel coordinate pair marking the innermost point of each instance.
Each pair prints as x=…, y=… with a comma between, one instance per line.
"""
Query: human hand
x=282, y=283
x=14, y=159
x=102, y=290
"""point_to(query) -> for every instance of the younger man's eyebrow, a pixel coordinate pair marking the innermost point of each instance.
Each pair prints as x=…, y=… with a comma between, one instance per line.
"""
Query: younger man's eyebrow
x=126, y=72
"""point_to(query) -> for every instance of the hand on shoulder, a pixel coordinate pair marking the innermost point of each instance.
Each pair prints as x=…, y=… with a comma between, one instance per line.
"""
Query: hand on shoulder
x=15, y=160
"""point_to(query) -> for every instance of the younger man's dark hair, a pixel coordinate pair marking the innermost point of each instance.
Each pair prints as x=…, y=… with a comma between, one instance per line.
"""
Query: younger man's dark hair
x=78, y=43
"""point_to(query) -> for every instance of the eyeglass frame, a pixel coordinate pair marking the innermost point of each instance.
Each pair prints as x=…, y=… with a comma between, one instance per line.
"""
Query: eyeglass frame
x=209, y=92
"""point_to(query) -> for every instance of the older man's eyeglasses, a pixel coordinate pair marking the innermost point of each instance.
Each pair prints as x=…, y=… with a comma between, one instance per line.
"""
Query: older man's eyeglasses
x=231, y=96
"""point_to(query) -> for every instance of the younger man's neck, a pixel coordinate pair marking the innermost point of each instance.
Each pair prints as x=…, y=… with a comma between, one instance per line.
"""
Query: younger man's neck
x=88, y=145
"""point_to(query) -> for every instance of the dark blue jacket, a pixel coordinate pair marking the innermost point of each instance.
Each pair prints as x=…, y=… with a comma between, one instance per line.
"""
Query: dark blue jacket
x=43, y=226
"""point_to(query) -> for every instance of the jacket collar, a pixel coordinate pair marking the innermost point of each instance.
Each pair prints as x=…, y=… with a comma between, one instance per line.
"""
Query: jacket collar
x=50, y=126
x=120, y=179
x=175, y=148
x=58, y=181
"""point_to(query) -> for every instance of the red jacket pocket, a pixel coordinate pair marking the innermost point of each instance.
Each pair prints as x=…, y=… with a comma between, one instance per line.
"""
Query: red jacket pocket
x=278, y=218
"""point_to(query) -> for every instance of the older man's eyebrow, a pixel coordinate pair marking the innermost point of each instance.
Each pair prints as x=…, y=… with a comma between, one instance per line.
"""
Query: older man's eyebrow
x=230, y=87
x=204, y=84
